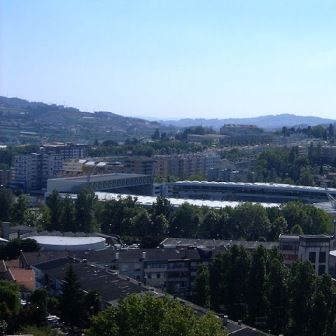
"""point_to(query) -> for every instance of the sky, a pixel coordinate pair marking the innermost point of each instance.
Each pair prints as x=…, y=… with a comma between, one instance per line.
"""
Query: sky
x=170, y=59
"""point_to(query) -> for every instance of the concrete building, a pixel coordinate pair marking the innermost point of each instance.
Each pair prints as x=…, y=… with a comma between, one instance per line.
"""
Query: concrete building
x=186, y=165
x=136, y=183
x=5, y=177
x=312, y=248
x=30, y=172
x=67, y=151
x=27, y=172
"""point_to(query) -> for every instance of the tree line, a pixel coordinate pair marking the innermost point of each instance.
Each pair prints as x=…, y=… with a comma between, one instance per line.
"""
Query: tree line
x=285, y=165
x=258, y=289
x=134, y=223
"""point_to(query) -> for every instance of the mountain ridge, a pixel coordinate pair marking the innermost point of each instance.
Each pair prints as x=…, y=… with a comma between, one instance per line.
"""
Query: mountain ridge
x=270, y=121
x=22, y=120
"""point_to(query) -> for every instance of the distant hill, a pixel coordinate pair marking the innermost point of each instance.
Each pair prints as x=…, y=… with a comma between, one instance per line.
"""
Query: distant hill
x=266, y=122
x=22, y=121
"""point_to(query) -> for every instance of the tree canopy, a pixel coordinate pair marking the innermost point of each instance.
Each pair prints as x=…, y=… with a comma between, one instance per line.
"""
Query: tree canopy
x=147, y=315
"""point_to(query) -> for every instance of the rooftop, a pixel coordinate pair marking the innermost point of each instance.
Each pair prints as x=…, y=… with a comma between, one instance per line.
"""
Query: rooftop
x=257, y=185
x=97, y=178
x=63, y=240
x=176, y=202
x=213, y=243
x=112, y=287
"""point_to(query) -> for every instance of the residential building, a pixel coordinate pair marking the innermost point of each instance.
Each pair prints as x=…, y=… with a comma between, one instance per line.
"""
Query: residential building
x=172, y=270
x=186, y=165
x=5, y=177
x=27, y=172
x=312, y=248
x=30, y=172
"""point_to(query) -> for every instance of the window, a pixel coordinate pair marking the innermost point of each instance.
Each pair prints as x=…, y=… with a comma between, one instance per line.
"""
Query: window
x=322, y=257
x=312, y=257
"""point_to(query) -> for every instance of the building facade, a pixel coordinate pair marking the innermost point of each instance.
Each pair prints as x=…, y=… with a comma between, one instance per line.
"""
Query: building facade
x=312, y=248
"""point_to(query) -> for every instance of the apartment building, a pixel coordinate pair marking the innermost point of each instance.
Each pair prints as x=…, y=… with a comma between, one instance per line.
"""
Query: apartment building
x=312, y=248
x=5, y=177
x=185, y=165
x=31, y=171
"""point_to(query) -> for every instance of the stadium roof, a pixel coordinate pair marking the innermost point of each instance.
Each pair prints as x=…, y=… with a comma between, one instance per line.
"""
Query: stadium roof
x=257, y=185
x=176, y=202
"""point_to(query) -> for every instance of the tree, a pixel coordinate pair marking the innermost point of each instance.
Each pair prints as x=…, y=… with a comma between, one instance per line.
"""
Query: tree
x=302, y=285
x=54, y=203
x=19, y=209
x=210, y=224
x=236, y=280
x=9, y=300
x=323, y=307
x=306, y=178
x=296, y=230
x=68, y=215
x=160, y=228
x=185, y=221
x=6, y=201
x=72, y=300
x=147, y=315
x=251, y=221
x=92, y=303
x=277, y=227
x=84, y=211
x=202, y=290
x=256, y=298
x=162, y=206
x=38, y=300
x=3, y=327
x=277, y=297
x=13, y=248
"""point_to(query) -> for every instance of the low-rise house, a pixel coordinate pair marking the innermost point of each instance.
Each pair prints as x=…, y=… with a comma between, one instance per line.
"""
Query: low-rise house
x=11, y=271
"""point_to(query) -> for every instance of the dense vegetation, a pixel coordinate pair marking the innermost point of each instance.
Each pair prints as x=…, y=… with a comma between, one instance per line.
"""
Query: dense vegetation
x=286, y=165
x=134, y=223
x=135, y=147
x=14, y=247
x=258, y=289
x=318, y=131
x=150, y=316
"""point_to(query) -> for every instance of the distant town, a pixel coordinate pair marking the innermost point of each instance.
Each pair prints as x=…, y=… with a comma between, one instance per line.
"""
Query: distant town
x=107, y=220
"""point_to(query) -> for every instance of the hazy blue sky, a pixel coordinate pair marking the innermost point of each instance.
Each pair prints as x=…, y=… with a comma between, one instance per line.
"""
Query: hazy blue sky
x=173, y=58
